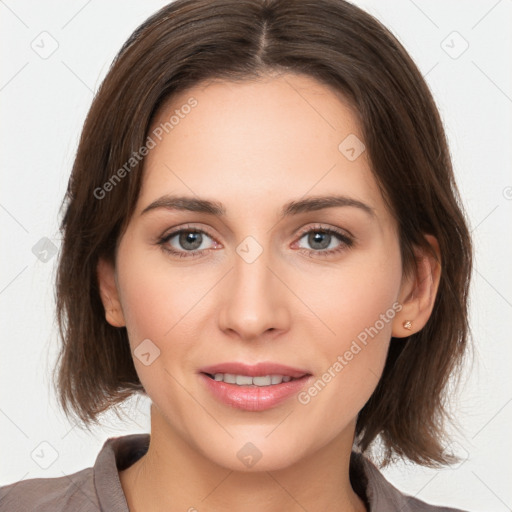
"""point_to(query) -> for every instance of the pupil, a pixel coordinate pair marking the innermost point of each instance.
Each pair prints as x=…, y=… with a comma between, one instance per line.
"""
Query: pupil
x=313, y=239
x=194, y=239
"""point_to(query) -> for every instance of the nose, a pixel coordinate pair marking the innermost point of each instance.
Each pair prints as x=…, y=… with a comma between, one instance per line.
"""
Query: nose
x=255, y=299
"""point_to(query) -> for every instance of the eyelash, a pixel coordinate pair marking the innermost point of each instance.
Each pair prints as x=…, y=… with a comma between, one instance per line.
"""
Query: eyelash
x=346, y=241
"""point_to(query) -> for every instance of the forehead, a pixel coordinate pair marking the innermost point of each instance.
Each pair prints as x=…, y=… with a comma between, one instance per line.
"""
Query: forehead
x=257, y=139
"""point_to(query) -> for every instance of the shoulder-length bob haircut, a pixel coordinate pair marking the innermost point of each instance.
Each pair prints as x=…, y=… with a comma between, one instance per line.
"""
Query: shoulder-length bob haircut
x=341, y=46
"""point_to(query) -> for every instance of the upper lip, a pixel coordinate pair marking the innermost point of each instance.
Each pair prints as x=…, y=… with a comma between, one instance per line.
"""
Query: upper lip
x=256, y=370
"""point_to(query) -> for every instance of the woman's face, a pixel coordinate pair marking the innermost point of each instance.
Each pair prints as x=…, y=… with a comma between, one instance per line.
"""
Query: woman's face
x=315, y=289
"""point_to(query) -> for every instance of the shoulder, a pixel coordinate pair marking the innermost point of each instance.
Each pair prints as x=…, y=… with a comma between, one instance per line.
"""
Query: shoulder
x=89, y=490
x=59, y=494
x=384, y=496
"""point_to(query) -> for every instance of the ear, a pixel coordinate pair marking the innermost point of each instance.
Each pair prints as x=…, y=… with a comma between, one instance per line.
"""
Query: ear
x=109, y=293
x=418, y=292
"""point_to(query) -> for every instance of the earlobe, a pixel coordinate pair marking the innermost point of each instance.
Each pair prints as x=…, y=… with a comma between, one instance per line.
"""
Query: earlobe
x=109, y=293
x=418, y=293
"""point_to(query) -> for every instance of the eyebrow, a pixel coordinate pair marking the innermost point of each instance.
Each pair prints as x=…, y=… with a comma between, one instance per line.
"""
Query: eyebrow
x=308, y=204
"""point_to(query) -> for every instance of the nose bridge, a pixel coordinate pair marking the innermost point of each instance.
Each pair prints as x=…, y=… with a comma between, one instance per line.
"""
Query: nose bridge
x=254, y=300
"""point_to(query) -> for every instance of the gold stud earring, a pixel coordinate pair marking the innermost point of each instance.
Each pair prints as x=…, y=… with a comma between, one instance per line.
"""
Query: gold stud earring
x=407, y=325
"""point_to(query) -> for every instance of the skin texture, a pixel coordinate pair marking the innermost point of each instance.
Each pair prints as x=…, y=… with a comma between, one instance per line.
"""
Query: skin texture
x=254, y=146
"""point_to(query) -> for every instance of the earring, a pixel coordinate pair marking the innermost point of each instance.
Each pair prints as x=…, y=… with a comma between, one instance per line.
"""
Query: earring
x=407, y=325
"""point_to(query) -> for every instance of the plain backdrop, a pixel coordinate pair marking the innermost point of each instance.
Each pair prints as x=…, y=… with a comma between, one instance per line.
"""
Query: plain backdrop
x=464, y=51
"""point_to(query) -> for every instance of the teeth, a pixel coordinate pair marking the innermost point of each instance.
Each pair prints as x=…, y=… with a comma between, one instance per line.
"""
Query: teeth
x=242, y=380
x=245, y=380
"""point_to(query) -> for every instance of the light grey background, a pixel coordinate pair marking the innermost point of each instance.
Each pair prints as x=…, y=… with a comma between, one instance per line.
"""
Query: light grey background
x=45, y=98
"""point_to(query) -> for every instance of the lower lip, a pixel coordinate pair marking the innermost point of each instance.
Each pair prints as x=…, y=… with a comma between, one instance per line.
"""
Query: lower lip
x=254, y=398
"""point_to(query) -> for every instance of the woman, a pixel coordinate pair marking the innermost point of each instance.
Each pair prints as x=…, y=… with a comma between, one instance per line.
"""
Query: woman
x=263, y=235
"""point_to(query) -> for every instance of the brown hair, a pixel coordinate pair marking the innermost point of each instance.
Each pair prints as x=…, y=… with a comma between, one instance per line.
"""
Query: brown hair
x=339, y=45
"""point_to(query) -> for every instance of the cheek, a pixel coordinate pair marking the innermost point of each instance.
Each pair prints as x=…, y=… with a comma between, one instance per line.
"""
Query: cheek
x=357, y=306
x=154, y=295
x=149, y=304
x=358, y=295
x=157, y=302
x=165, y=304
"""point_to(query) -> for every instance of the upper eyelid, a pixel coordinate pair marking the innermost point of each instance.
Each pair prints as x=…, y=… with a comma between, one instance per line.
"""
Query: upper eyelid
x=179, y=229
x=320, y=227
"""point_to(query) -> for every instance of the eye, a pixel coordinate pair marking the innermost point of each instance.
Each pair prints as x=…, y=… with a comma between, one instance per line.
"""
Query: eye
x=185, y=242
x=325, y=241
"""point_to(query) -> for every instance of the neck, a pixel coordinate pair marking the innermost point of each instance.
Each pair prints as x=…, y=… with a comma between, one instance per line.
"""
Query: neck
x=173, y=476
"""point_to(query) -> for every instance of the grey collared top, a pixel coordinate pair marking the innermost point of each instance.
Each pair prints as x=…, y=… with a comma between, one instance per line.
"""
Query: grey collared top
x=98, y=488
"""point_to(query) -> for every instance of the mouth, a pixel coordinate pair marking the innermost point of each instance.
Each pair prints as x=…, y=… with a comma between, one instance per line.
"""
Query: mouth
x=253, y=387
